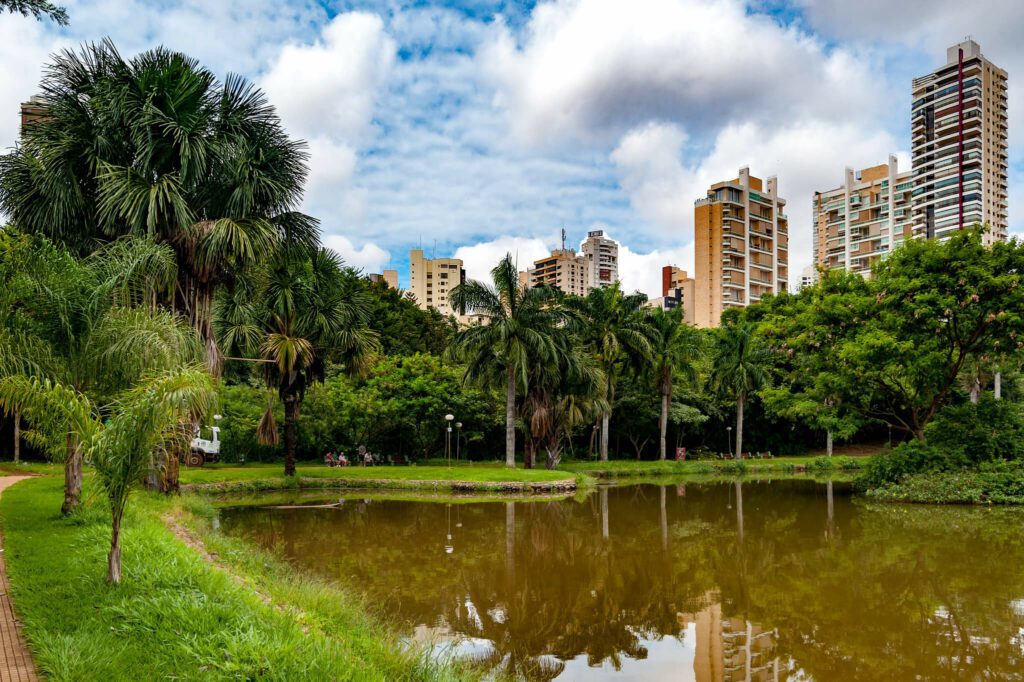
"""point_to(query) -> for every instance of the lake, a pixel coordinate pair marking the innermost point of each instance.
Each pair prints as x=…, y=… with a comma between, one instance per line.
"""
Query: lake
x=759, y=580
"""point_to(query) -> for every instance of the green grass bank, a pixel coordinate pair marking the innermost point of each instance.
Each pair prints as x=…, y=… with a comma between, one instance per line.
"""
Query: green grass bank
x=458, y=478
x=714, y=467
x=235, y=613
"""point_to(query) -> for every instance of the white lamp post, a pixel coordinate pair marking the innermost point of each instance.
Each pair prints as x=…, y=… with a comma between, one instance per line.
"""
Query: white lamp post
x=448, y=438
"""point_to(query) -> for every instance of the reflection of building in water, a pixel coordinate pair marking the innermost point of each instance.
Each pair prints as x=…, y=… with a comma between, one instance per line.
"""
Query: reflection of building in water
x=730, y=649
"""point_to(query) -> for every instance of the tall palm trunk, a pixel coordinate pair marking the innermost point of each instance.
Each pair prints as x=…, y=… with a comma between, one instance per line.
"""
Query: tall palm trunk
x=114, y=558
x=510, y=418
x=169, y=482
x=291, y=421
x=605, y=418
x=72, y=476
x=739, y=425
x=666, y=397
x=17, y=437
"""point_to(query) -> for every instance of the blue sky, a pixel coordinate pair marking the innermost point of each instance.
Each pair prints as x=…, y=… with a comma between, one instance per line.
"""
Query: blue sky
x=477, y=128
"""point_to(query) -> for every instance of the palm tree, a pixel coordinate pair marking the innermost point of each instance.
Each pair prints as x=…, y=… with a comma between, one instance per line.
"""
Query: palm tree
x=157, y=147
x=87, y=324
x=740, y=367
x=294, y=316
x=156, y=414
x=676, y=349
x=521, y=330
x=37, y=9
x=614, y=329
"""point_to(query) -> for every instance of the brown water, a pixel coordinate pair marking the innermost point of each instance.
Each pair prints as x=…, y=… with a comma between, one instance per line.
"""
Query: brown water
x=753, y=581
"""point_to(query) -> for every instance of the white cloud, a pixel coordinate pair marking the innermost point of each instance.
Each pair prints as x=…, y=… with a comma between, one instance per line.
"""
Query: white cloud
x=23, y=49
x=479, y=259
x=591, y=70
x=369, y=257
x=329, y=88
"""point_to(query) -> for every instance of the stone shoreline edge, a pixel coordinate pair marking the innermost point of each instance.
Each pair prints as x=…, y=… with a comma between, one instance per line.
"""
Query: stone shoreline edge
x=307, y=483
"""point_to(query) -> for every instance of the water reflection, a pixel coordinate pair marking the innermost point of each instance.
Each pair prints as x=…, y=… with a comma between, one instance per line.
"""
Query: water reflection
x=736, y=581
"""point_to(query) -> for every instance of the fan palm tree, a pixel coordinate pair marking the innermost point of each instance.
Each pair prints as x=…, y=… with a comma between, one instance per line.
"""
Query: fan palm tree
x=155, y=414
x=741, y=366
x=521, y=329
x=675, y=350
x=614, y=329
x=86, y=323
x=157, y=147
x=294, y=316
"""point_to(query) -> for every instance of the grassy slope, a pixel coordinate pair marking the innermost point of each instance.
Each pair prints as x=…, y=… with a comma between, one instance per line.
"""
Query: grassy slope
x=176, y=616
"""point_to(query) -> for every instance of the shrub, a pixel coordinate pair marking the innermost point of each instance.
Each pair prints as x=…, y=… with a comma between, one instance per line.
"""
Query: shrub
x=989, y=430
x=908, y=458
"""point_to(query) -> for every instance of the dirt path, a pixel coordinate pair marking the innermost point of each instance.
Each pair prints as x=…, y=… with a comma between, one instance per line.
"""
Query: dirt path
x=15, y=660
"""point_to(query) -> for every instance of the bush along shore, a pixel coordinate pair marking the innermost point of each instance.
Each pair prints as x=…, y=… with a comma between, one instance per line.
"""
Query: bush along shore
x=210, y=607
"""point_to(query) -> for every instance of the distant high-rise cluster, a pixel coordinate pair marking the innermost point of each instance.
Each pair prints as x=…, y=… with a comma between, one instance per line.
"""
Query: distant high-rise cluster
x=603, y=255
x=432, y=279
x=596, y=265
x=959, y=175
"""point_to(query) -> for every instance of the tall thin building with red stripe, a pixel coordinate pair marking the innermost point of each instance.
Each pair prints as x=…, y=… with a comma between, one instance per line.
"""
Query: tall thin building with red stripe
x=959, y=142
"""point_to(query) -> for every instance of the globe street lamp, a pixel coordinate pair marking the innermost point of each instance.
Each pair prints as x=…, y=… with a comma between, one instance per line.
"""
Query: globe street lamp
x=728, y=430
x=448, y=438
x=458, y=436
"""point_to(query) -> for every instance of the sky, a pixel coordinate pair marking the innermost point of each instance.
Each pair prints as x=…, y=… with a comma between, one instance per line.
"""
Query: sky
x=485, y=127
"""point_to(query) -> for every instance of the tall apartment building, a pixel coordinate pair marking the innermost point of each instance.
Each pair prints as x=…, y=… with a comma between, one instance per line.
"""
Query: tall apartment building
x=564, y=270
x=677, y=291
x=32, y=110
x=432, y=279
x=808, y=276
x=603, y=254
x=958, y=137
x=741, y=246
x=858, y=222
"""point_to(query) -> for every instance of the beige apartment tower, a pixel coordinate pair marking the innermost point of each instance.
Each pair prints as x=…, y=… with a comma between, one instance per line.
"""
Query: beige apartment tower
x=741, y=246
x=860, y=221
x=958, y=137
x=432, y=279
x=677, y=291
x=564, y=270
x=603, y=254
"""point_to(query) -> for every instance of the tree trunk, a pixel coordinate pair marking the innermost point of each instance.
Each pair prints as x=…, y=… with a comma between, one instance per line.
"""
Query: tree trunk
x=663, y=423
x=291, y=421
x=997, y=387
x=739, y=426
x=828, y=442
x=529, y=452
x=510, y=418
x=17, y=437
x=72, y=476
x=605, y=418
x=975, y=390
x=114, y=558
x=169, y=479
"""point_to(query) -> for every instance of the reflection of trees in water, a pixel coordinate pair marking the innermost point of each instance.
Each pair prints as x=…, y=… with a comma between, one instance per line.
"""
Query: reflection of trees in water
x=853, y=592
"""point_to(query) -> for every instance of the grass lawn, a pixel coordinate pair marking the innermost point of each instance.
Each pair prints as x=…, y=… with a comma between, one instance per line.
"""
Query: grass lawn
x=176, y=616
x=482, y=474
x=621, y=468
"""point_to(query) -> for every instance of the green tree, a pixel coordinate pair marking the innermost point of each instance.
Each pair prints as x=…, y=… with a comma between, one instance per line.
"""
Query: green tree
x=405, y=329
x=741, y=366
x=612, y=326
x=295, y=316
x=38, y=9
x=676, y=350
x=156, y=414
x=521, y=329
x=90, y=324
x=155, y=146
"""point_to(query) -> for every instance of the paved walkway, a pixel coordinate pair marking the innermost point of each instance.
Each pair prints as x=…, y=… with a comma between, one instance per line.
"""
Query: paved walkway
x=15, y=660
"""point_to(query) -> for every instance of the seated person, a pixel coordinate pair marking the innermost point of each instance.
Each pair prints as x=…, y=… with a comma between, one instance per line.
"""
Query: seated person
x=329, y=459
x=342, y=460
x=367, y=459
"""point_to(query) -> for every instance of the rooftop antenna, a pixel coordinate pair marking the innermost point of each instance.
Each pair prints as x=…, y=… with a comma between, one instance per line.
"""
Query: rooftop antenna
x=563, y=238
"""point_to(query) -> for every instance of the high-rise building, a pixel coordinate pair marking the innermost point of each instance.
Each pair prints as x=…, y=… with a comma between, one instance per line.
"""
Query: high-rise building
x=858, y=222
x=564, y=270
x=808, y=277
x=741, y=246
x=432, y=279
x=389, y=277
x=677, y=291
x=958, y=135
x=603, y=254
x=32, y=110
